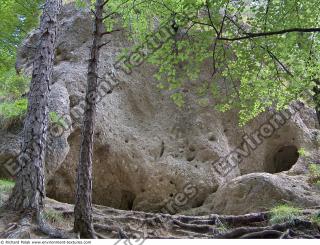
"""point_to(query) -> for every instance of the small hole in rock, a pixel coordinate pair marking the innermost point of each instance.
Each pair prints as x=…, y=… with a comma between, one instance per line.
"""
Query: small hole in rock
x=190, y=158
x=127, y=199
x=192, y=148
x=211, y=137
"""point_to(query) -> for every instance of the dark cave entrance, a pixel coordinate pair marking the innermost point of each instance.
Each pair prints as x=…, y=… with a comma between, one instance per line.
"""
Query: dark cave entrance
x=283, y=159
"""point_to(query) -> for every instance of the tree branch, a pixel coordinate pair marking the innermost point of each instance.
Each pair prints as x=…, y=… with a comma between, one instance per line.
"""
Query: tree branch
x=105, y=2
x=108, y=15
x=104, y=44
x=271, y=33
x=110, y=32
x=210, y=18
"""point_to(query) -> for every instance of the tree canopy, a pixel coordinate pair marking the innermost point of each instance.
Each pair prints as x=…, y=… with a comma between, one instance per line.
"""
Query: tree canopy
x=260, y=54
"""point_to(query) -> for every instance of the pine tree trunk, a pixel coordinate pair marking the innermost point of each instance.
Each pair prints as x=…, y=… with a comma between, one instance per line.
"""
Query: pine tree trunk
x=29, y=191
x=83, y=203
x=316, y=99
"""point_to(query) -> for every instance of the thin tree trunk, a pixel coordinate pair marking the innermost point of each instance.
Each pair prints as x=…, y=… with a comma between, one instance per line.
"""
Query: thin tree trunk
x=29, y=191
x=316, y=99
x=83, y=203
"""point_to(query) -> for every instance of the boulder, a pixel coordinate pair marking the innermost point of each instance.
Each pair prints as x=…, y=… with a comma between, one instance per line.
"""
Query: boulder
x=258, y=192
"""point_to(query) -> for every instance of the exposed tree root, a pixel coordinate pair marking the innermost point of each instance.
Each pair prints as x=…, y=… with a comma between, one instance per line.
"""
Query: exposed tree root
x=30, y=222
x=194, y=227
x=121, y=224
x=44, y=227
x=287, y=234
x=244, y=219
x=255, y=232
x=20, y=229
x=263, y=234
x=226, y=219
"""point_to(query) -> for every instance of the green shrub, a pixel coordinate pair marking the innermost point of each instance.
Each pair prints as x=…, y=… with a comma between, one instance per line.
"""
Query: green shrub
x=12, y=86
x=56, y=119
x=303, y=153
x=284, y=213
x=13, y=110
x=12, y=106
x=314, y=174
x=12, y=113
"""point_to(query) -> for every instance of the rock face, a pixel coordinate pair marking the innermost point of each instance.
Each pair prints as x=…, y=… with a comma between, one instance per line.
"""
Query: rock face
x=150, y=154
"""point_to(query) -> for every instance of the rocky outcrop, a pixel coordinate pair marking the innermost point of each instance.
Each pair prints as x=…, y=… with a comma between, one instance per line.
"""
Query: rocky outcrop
x=148, y=152
x=258, y=192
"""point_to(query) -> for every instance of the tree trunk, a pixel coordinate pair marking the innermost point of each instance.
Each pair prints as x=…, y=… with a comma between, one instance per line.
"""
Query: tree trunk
x=316, y=99
x=83, y=203
x=29, y=190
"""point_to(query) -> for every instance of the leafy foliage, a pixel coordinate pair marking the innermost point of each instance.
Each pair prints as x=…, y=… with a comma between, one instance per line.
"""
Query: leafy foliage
x=12, y=86
x=17, y=18
x=284, y=213
x=250, y=74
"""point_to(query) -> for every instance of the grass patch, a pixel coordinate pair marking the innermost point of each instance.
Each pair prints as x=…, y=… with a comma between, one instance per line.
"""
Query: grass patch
x=314, y=174
x=221, y=226
x=284, y=213
x=6, y=185
x=5, y=188
x=316, y=219
x=53, y=216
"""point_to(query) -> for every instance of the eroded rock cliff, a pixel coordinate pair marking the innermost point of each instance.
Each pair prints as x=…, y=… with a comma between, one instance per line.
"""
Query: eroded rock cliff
x=151, y=155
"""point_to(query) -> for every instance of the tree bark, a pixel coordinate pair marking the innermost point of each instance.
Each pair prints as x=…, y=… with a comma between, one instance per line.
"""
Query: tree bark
x=83, y=203
x=29, y=191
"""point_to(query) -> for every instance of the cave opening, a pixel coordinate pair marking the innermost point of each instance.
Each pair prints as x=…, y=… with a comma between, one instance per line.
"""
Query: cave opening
x=283, y=159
